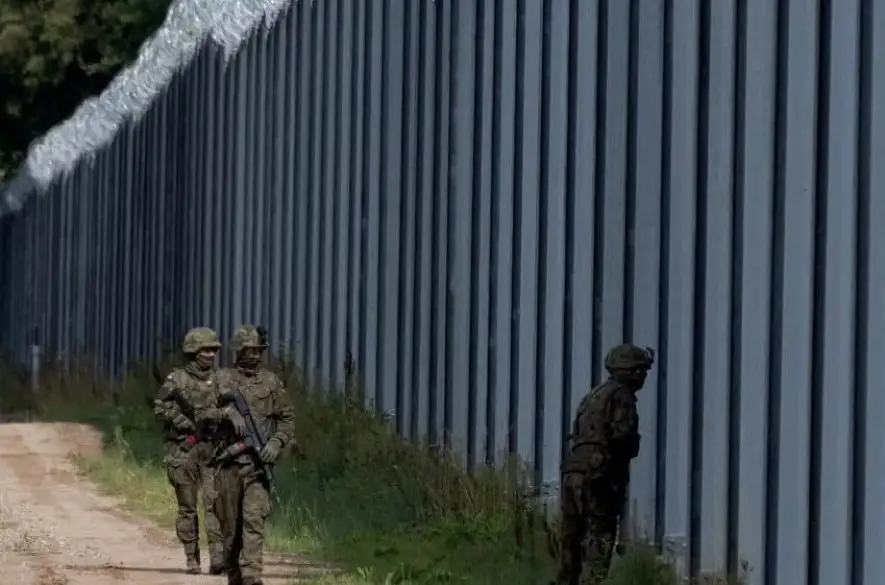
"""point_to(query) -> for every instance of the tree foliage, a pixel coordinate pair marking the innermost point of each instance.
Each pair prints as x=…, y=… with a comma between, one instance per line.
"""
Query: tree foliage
x=56, y=53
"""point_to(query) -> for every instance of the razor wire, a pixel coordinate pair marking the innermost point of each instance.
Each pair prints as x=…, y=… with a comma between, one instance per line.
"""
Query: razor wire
x=128, y=97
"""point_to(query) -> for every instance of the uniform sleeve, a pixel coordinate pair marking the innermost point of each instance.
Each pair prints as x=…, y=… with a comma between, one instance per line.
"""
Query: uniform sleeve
x=625, y=424
x=284, y=414
x=165, y=408
x=585, y=455
x=582, y=426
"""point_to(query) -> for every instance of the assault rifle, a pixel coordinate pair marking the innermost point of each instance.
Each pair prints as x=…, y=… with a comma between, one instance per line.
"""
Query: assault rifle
x=252, y=443
x=188, y=410
x=175, y=396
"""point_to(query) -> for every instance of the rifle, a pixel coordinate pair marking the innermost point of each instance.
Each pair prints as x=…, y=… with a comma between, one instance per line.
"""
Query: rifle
x=188, y=410
x=253, y=442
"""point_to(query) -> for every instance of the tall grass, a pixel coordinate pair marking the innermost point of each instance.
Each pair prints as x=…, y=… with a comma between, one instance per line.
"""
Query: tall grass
x=354, y=494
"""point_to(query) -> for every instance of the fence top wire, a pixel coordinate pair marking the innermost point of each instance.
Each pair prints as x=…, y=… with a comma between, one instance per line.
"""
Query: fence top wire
x=189, y=24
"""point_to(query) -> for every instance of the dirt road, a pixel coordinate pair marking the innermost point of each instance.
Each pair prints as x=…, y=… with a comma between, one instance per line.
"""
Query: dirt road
x=56, y=529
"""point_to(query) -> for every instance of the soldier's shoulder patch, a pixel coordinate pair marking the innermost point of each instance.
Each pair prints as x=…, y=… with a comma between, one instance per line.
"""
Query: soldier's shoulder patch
x=177, y=377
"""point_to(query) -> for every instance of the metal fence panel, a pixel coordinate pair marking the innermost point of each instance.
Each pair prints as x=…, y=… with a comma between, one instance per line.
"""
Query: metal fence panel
x=477, y=199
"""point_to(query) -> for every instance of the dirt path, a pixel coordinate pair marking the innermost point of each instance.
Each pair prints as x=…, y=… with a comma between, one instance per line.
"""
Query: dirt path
x=56, y=529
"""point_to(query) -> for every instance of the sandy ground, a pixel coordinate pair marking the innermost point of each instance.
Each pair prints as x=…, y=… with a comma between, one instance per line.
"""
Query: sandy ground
x=56, y=529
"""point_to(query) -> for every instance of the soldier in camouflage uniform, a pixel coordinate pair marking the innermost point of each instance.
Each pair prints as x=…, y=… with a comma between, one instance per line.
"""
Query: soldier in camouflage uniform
x=188, y=453
x=596, y=470
x=244, y=491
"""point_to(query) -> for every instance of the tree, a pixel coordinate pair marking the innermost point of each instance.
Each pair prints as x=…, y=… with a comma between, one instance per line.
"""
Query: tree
x=56, y=53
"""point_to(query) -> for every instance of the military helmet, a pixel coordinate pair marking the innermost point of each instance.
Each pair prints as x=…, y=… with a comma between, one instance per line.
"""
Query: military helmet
x=248, y=336
x=627, y=356
x=200, y=338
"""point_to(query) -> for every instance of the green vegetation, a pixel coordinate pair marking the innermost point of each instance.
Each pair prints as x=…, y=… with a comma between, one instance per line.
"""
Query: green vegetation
x=56, y=53
x=356, y=496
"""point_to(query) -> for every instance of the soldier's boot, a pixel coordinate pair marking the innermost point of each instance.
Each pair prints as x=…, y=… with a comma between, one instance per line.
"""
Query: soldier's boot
x=217, y=568
x=192, y=554
x=193, y=566
x=216, y=560
x=234, y=577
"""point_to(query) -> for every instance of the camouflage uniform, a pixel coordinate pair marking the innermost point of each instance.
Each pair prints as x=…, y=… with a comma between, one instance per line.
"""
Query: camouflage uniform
x=188, y=454
x=244, y=502
x=596, y=470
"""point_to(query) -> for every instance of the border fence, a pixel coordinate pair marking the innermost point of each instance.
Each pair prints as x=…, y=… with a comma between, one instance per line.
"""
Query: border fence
x=478, y=198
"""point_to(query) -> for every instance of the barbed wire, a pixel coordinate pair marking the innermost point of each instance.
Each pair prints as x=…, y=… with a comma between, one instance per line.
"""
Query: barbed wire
x=189, y=24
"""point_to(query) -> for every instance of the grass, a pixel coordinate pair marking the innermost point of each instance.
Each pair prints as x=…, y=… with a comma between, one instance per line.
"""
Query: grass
x=384, y=511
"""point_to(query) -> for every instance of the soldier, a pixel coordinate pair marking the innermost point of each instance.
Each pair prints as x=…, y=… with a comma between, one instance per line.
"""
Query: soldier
x=244, y=490
x=188, y=453
x=596, y=470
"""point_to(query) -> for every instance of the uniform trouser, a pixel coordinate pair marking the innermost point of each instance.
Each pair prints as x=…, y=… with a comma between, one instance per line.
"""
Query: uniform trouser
x=590, y=512
x=244, y=506
x=187, y=474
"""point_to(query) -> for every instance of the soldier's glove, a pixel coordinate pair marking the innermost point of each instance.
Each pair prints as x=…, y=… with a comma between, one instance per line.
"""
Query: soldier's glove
x=183, y=423
x=236, y=420
x=270, y=452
